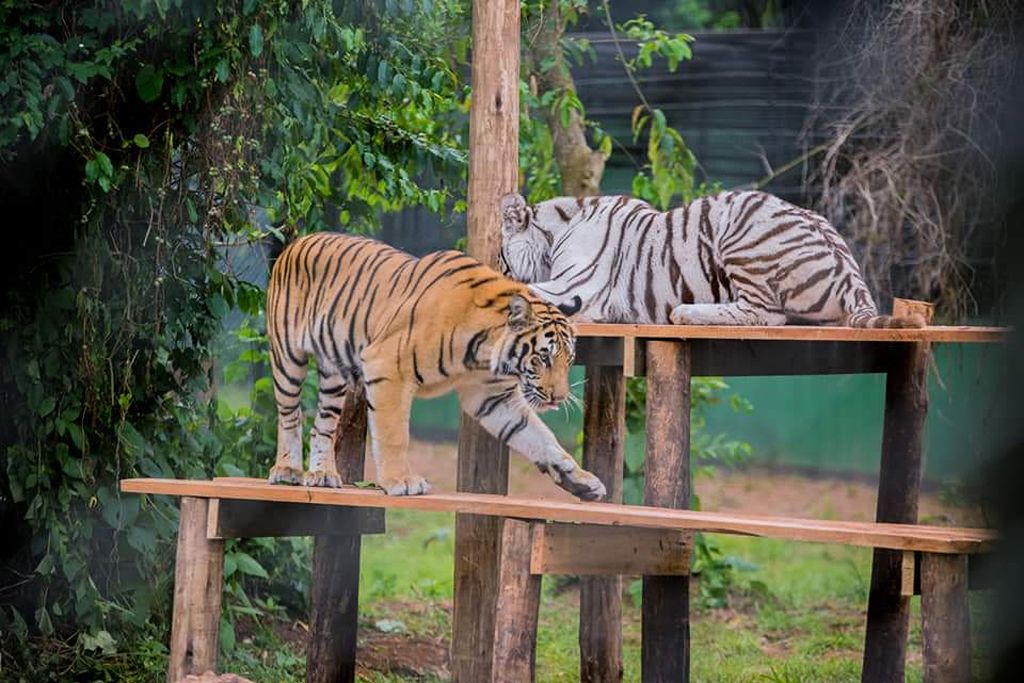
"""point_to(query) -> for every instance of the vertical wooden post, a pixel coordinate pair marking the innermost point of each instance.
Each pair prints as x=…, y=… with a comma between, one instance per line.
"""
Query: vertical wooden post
x=665, y=625
x=334, y=612
x=946, y=618
x=198, y=584
x=515, y=624
x=899, y=485
x=483, y=462
x=604, y=433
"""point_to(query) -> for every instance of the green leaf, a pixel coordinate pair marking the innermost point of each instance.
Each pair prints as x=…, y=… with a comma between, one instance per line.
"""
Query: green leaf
x=227, y=635
x=222, y=71
x=149, y=82
x=256, y=40
x=141, y=141
x=247, y=565
x=230, y=565
x=46, y=406
x=106, y=166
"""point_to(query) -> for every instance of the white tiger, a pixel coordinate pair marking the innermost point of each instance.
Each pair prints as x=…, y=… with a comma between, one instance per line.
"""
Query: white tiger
x=735, y=258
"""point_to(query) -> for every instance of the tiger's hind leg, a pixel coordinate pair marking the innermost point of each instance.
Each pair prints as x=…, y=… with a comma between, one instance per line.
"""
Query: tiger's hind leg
x=734, y=313
x=288, y=375
x=323, y=470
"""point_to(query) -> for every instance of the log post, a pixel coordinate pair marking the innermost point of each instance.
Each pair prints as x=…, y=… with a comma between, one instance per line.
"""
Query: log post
x=665, y=625
x=198, y=584
x=515, y=624
x=899, y=485
x=334, y=612
x=945, y=619
x=604, y=434
x=483, y=462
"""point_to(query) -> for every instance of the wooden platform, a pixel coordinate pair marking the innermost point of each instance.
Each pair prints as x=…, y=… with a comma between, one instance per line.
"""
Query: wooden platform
x=932, y=334
x=869, y=534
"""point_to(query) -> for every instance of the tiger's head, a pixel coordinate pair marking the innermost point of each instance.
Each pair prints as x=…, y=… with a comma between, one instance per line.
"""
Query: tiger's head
x=538, y=347
x=528, y=233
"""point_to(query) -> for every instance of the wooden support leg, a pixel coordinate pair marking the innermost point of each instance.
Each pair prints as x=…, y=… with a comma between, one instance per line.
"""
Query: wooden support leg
x=483, y=462
x=482, y=468
x=604, y=433
x=899, y=484
x=515, y=622
x=945, y=617
x=666, y=618
x=334, y=613
x=198, y=584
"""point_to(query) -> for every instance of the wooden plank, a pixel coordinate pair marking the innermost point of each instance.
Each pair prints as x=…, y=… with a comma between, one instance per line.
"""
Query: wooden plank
x=604, y=433
x=899, y=485
x=755, y=358
x=955, y=540
x=595, y=550
x=979, y=574
x=937, y=333
x=904, y=308
x=665, y=619
x=334, y=608
x=198, y=585
x=515, y=622
x=908, y=574
x=257, y=518
x=945, y=618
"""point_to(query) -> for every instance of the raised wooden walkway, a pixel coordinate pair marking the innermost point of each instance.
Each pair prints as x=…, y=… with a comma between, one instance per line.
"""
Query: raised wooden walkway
x=950, y=540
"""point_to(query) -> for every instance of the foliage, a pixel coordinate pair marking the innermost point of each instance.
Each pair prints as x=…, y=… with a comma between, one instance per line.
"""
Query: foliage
x=190, y=129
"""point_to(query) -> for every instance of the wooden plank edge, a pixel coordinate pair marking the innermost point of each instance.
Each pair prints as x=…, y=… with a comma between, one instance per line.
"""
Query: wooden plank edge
x=937, y=333
x=875, y=535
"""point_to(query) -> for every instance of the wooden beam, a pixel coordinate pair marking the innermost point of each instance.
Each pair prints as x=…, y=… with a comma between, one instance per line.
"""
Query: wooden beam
x=755, y=358
x=946, y=619
x=515, y=623
x=594, y=550
x=483, y=462
x=198, y=585
x=952, y=540
x=899, y=485
x=939, y=333
x=604, y=434
x=665, y=622
x=257, y=518
x=908, y=574
x=334, y=610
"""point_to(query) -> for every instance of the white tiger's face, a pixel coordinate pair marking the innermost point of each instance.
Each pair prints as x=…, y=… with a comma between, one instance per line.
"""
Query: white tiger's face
x=528, y=232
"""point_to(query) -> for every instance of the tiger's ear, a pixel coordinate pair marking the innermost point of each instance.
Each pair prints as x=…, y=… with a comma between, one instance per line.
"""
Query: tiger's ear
x=513, y=213
x=520, y=314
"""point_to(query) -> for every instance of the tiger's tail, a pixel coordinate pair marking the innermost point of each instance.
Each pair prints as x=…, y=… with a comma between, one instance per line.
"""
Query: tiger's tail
x=869, y=317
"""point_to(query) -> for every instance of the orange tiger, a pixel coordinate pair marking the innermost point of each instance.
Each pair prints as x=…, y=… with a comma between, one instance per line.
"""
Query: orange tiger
x=405, y=327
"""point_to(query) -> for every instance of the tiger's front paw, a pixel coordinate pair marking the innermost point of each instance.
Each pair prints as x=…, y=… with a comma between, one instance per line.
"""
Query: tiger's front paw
x=411, y=485
x=321, y=478
x=680, y=315
x=574, y=479
x=282, y=474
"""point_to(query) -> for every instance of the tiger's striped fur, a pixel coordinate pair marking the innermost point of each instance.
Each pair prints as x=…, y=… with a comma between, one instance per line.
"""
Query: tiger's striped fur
x=409, y=327
x=735, y=258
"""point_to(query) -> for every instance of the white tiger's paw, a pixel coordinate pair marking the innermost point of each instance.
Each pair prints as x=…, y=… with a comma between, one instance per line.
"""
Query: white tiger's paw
x=412, y=485
x=574, y=479
x=282, y=474
x=322, y=479
x=680, y=316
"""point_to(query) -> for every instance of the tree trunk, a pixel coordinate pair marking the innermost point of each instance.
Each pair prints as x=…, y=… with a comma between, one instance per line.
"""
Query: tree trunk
x=581, y=166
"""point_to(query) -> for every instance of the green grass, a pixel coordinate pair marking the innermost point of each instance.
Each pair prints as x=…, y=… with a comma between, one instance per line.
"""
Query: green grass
x=806, y=626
